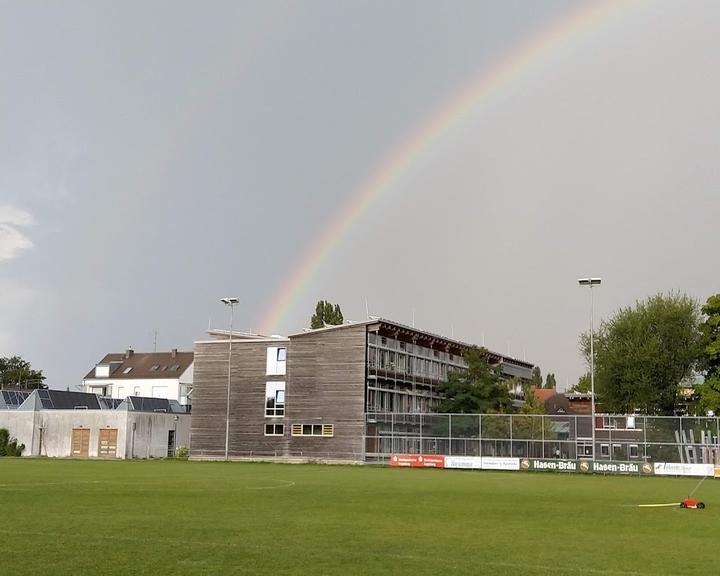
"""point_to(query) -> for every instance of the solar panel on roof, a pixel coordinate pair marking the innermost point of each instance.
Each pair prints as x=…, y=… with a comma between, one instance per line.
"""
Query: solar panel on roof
x=14, y=397
x=143, y=404
x=45, y=399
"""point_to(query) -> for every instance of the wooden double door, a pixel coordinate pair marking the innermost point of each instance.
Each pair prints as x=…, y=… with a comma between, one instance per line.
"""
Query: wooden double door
x=107, y=443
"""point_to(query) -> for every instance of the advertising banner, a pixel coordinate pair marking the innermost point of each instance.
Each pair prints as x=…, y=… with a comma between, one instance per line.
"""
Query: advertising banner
x=615, y=467
x=467, y=462
x=493, y=463
x=677, y=469
x=545, y=464
x=417, y=461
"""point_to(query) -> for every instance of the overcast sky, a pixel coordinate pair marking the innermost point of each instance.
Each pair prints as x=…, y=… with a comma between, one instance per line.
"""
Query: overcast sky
x=156, y=156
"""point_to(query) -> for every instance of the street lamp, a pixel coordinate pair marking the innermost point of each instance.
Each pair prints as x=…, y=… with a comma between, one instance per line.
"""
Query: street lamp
x=590, y=282
x=229, y=302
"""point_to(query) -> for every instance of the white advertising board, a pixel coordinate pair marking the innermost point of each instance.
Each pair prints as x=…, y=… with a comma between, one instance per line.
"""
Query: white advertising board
x=677, y=469
x=472, y=462
x=494, y=463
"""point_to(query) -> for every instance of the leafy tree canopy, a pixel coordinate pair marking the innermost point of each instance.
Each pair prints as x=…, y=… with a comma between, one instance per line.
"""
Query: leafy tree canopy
x=708, y=393
x=584, y=384
x=326, y=314
x=536, y=377
x=17, y=373
x=550, y=381
x=643, y=353
x=477, y=390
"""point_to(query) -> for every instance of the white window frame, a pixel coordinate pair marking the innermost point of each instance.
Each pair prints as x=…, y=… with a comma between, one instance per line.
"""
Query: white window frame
x=273, y=365
x=275, y=427
x=274, y=390
x=317, y=430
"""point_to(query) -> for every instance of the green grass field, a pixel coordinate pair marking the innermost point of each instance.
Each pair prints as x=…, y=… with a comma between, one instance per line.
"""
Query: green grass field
x=174, y=517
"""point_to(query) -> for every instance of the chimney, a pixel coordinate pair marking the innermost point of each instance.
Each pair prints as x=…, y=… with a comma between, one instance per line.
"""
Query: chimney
x=173, y=352
x=129, y=352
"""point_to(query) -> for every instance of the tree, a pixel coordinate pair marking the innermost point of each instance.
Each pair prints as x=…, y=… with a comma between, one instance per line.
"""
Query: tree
x=17, y=373
x=326, y=314
x=708, y=393
x=477, y=390
x=584, y=384
x=536, y=377
x=550, y=381
x=642, y=354
x=8, y=445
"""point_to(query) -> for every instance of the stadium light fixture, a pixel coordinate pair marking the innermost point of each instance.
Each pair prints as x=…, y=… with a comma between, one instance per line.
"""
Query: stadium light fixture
x=229, y=302
x=590, y=282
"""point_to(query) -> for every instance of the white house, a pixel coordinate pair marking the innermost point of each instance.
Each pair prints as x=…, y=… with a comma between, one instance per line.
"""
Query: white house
x=149, y=374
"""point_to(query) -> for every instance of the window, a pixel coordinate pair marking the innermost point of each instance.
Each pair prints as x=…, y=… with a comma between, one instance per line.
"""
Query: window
x=127, y=370
x=121, y=392
x=154, y=368
x=274, y=429
x=276, y=361
x=175, y=367
x=604, y=450
x=137, y=391
x=633, y=451
x=323, y=430
x=274, y=399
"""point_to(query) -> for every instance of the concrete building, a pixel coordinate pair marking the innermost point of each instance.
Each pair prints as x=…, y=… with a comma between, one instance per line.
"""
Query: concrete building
x=57, y=423
x=147, y=374
x=307, y=395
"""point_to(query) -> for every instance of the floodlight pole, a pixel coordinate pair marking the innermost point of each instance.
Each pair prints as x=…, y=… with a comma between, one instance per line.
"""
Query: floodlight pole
x=229, y=302
x=590, y=282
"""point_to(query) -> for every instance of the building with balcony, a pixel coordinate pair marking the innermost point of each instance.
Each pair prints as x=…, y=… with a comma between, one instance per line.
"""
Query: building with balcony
x=306, y=395
x=167, y=375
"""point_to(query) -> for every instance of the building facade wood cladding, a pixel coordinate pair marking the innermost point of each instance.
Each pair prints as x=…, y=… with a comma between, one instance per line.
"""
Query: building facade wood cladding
x=324, y=385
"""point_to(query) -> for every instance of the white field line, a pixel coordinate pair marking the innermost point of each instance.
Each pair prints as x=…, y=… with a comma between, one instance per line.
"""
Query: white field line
x=288, y=484
x=23, y=486
x=658, y=505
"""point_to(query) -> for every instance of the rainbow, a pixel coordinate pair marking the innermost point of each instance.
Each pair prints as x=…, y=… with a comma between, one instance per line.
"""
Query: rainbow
x=490, y=85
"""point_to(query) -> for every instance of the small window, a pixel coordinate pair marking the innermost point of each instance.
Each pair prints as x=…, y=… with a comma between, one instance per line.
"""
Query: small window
x=323, y=430
x=175, y=367
x=634, y=451
x=274, y=429
x=154, y=368
x=127, y=370
x=281, y=354
x=163, y=368
x=604, y=450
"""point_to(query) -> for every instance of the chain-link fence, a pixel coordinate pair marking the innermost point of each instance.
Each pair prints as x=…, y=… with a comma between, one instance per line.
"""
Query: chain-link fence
x=628, y=437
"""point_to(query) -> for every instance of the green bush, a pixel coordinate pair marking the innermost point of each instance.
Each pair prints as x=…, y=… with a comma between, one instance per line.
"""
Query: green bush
x=182, y=453
x=9, y=446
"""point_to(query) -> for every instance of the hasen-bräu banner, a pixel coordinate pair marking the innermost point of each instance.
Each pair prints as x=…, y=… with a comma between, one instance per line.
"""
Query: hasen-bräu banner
x=548, y=465
x=417, y=460
x=615, y=467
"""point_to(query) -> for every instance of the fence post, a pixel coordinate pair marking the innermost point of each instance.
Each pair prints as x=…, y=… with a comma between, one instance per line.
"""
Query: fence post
x=421, y=433
x=392, y=433
x=480, y=434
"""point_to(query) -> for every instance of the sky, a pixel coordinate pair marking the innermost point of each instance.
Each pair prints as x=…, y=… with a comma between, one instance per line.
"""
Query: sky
x=157, y=156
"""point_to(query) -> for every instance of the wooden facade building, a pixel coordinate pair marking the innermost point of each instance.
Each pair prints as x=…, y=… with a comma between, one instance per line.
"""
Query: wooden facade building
x=306, y=396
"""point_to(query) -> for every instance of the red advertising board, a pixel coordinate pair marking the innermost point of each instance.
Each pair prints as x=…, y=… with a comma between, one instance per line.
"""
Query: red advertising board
x=417, y=460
